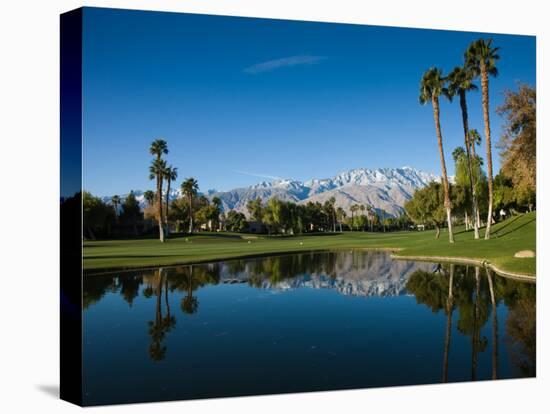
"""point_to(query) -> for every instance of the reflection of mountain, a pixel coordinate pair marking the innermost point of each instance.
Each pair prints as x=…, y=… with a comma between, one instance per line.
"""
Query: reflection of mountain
x=355, y=273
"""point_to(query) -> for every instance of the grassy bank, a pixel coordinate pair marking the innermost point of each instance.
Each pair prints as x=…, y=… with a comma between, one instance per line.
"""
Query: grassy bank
x=510, y=236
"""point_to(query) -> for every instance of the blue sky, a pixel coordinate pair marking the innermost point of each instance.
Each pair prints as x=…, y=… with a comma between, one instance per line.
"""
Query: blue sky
x=238, y=99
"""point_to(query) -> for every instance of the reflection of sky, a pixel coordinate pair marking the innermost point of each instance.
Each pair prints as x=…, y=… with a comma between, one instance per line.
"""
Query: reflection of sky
x=244, y=339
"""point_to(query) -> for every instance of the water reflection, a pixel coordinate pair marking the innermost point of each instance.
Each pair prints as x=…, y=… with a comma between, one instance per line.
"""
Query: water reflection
x=463, y=288
x=471, y=302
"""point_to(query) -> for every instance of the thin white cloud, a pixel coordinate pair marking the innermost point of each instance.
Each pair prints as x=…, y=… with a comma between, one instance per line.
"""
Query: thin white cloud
x=271, y=177
x=282, y=63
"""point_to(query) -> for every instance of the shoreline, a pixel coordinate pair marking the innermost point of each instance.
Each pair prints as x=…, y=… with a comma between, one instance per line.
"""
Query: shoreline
x=467, y=260
x=393, y=254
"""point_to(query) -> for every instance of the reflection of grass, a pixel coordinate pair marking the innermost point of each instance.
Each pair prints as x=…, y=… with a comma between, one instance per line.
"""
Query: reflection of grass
x=515, y=234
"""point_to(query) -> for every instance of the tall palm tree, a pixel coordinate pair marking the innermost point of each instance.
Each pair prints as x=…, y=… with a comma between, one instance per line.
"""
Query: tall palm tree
x=370, y=213
x=158, y=166
x=353, y=209
x=149, y=197
x=341, y=214
x=116, y=202
x=432, y=86
x=362, y=208
x=190, y=187
x=461, y=81
x=332, y=202
x=156, y=171
x=170, y=174
x=217, y=203
x=474, y=139
x=480, y=58
x=158, y=148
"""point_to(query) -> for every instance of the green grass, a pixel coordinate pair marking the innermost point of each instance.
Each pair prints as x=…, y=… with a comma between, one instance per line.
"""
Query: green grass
x=516, y=233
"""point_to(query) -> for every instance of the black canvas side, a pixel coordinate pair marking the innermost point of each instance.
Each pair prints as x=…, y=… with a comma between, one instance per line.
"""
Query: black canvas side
x=71, y=207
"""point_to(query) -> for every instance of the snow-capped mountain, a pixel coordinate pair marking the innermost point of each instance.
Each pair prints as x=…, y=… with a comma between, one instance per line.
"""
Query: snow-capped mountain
x=383, y=188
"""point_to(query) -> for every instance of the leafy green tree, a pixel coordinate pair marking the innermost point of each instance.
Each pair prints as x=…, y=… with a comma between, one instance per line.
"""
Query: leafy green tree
x=518, y=144
x=97, y=216
x=480, y=58
x=131, y=212
x=236, y=221
x=432, y=86
x=255, y=209
x=208, y=215
x=426, y=207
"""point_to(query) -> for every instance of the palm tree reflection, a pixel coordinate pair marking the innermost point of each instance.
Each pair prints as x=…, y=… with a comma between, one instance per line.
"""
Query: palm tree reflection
x=161, y=325
x=449, y=310
x=456, y=287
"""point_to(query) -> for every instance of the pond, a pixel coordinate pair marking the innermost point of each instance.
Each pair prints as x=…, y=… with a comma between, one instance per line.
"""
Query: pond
x=302, y=322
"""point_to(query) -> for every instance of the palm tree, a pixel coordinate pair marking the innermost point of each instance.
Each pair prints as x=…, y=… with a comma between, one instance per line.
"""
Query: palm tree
x=158, y=147
x=217, y=203
x=190, y=187
x=116, y=202
x=370, y=213
x=190, y=304
x=362, y=208
x=341, y=214
x=158, y=166
x=474, y=139
x=353, y=209
x=431, y=87
x=149, y=196
x=170, y=174
x=481, y=59
x=156, y=171
x=332, y=202
x=461, y=81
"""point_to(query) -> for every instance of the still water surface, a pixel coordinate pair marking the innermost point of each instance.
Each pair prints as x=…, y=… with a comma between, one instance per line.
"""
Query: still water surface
x=301, y=322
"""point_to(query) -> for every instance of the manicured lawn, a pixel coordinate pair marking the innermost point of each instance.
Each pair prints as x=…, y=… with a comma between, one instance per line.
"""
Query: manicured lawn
x=510, y=236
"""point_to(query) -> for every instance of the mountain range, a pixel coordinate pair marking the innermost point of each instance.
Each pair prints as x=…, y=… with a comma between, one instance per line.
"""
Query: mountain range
x=383, y=188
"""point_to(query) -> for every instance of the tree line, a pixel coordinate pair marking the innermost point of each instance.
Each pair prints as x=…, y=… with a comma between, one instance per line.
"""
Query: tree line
x=518, y=143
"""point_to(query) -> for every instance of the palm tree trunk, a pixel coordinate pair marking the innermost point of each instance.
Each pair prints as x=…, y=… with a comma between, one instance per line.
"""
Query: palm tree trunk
x=449, y=325
x=485, y=103
x=464, y=109
x=190, y=213
x=475, y=333
x=167, y=202
x=166, y=297
x=495, y=324
x=435, y=104
x=159, y=201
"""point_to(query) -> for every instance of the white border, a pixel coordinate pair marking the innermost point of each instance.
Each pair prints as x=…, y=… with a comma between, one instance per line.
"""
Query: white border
x=29, y=204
